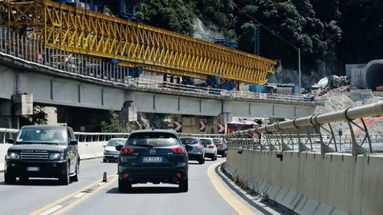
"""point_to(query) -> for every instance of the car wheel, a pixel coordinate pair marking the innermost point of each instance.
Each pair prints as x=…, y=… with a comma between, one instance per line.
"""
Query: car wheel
x=9, y=179
x=104, y=160
x=201, y=161
x=75, y=177
x=183, y=185
x=123, y=186
x=65, y=179
x=224, y=154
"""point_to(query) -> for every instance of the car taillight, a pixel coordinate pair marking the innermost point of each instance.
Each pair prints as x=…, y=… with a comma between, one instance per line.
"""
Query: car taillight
x=126, y=151
x=210, y=147
x=199, y=148
x=178, y=150
x=220, y=144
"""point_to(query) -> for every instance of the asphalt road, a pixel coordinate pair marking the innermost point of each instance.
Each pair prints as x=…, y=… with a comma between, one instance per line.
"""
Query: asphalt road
x=206, y=195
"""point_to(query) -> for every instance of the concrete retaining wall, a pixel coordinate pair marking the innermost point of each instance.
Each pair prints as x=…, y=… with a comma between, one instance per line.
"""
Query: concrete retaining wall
x=310, y=183
x=86, y=149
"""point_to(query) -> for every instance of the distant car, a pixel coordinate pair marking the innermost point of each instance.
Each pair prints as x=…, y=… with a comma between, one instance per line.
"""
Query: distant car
x=155, y=156
x=221, y=146
x=194, y=149
x=209, y=148
x=43, y=151
x=110, y=152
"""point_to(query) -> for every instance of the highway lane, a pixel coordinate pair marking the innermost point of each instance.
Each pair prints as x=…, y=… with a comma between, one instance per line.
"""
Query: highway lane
x=206, y=195
x=202, y=198
x=21, y=199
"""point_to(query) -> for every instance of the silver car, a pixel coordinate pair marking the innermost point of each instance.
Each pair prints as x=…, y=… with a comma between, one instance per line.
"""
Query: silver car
x=221, y=146
x=110, y=152
x=209, y=148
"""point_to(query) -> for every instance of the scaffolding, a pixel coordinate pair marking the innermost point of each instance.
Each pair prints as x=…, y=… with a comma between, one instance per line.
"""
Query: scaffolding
x=133, y=44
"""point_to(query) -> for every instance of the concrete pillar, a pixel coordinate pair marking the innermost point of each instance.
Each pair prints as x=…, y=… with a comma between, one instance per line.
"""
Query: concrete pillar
x=7, y=120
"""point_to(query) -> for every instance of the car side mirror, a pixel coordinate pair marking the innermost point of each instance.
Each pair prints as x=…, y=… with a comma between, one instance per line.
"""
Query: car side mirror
x=73, y=142
x=11, y=141
x=119, y=147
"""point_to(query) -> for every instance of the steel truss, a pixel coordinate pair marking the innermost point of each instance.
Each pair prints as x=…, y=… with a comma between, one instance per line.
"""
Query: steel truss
x=79, y=31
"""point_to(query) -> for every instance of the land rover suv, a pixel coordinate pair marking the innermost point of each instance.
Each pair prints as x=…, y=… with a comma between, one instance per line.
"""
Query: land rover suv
x=43, y=151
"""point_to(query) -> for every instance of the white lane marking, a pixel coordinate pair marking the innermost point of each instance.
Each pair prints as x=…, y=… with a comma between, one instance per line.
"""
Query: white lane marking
x=101, y=183
x=79, y=195
x=51, y=210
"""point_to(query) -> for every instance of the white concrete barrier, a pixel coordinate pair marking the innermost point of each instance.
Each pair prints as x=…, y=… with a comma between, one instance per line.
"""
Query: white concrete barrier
x=3, y=152
x=310, y=183
x=86, y=150
x=91, y=149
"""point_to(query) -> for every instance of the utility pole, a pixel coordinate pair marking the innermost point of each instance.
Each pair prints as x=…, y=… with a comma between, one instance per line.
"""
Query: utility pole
x=299, y=70
x=257, y=35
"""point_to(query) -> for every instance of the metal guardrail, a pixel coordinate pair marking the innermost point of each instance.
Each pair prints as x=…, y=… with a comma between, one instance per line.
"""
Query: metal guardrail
x=308, y=133
x=6, y=133
x=25, y=49
x=202, y=135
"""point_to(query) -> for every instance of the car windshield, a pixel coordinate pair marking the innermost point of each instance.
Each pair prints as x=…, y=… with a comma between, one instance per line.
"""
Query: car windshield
x=152, y=139
x=51, y=135
x=205, y=141
x=116, y=142
x=189, y=141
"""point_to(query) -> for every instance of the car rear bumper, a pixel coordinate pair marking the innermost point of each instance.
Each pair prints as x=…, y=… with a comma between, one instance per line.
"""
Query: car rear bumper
x=195, y=156
x=110, y=157
x=210, y=154
x=49, y=169
x=153, y=174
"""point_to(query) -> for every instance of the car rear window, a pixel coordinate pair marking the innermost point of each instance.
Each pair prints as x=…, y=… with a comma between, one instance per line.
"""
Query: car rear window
x=205, y=141
x=189, y=141
x=116, y=142
x=152, y=139
x=216, y=141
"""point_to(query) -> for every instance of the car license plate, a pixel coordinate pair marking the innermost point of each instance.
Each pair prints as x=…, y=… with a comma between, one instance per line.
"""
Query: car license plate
x=152, y=159
x=33, y=169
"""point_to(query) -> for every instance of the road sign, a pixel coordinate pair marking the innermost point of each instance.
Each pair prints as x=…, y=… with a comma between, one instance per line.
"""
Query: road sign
x=202, y=126
x=177, y=126
x=220, y=128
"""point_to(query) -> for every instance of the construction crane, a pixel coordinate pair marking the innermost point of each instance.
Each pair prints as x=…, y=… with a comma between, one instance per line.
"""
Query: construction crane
x=130, y=43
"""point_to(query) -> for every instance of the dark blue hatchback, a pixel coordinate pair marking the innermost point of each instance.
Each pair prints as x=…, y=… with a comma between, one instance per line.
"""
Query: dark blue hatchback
x=155, y=156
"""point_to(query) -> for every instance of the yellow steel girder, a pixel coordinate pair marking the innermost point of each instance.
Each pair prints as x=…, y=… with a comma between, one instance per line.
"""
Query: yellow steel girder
x=80, y=31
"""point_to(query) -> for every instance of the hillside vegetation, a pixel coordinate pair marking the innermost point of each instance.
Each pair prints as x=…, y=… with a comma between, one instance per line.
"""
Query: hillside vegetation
x=328, y=32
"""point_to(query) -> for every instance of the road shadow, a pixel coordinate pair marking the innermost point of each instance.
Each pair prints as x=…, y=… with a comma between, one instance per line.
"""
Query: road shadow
x=146, y=190
x=34, y=182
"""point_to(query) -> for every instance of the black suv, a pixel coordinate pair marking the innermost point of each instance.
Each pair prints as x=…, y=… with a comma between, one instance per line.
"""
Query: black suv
x=43, y=151
x=155, y=156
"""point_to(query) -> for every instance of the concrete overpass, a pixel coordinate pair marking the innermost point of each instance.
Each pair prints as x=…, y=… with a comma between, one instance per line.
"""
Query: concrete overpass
x=109, y=87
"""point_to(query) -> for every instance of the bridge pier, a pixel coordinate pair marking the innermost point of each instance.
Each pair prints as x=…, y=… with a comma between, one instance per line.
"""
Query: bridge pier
x=7, y=117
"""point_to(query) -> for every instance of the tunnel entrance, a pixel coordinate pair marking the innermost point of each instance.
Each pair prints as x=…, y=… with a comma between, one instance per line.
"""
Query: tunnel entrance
x=374, y=76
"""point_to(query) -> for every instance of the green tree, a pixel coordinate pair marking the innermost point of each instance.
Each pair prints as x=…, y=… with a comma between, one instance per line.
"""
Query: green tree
x=39, y=117
x=116, y=125
x=362, y=24
x=172, y=15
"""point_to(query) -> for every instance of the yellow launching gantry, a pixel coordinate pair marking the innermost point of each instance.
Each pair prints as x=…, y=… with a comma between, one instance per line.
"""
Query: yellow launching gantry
x=80, y=31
